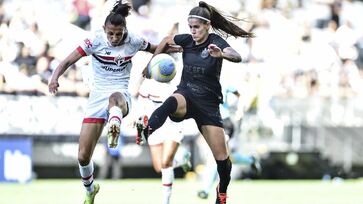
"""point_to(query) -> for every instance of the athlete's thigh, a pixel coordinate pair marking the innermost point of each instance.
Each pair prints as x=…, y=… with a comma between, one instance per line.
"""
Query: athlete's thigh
x=90, y=133
x=215, y=138
x=156, y=151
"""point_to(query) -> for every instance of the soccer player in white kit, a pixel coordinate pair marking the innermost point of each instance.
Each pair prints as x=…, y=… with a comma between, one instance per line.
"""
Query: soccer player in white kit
x=164, y=143
x=109, y=100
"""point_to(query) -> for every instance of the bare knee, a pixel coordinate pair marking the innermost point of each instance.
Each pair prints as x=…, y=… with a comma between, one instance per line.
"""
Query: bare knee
x=157, y=169
x=83, y=158
x=167, y=163
x=117, y=99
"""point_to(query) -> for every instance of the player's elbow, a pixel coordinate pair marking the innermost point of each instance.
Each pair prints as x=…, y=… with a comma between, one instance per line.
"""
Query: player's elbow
x=235, y=58
x=238, y=58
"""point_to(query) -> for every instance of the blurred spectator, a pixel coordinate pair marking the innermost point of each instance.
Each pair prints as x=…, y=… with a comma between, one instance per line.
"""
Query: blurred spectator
x=81, y=13
x=286, y=55
x=25, y=60
x=112, y=166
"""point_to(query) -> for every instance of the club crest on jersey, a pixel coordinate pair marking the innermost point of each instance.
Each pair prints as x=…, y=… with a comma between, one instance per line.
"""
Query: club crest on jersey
x=119, y=60
x=204, y=54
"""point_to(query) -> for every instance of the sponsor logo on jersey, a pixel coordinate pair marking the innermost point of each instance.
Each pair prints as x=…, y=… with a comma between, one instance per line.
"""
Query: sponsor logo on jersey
x=110, y=69
x=88, y=43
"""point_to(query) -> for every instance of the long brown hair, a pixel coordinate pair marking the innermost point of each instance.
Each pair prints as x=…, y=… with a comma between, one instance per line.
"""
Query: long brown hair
x=220, y=22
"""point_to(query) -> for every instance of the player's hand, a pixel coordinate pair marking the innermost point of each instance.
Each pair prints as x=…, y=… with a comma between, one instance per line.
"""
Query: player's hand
x=53, y=86
x=145, y=73
x=215, y=51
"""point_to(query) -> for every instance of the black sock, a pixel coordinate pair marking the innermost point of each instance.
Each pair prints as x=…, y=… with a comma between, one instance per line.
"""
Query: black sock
x=159, y=116
x=224, y=168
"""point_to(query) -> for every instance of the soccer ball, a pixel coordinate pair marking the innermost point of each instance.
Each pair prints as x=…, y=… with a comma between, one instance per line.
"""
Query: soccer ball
x=162, y=68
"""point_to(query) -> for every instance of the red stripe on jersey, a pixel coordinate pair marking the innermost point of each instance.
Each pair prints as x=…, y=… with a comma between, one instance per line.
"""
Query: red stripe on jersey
x=128, y=58
x=94, y=120
x=81, y=51
x=106, y=57
x=168, y=184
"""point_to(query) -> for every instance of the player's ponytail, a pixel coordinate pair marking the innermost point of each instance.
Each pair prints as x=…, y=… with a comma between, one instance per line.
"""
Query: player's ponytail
x=221, y=23
x=118, y=14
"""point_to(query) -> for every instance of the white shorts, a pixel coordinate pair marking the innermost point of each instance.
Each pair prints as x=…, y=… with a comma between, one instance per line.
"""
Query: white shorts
x=96, y=110
x=168, y=131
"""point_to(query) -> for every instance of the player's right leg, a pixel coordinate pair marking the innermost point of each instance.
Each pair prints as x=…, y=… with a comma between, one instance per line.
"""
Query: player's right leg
x=90, y=133
x=117, y=108
x=113, y=126
x=175, y=104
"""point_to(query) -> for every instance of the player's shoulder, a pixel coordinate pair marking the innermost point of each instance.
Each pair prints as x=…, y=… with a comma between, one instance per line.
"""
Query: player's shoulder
x=183, y=39
x=214, y=36
x=136, y=40
x=134, y=36
x=183, y=36
x=218, y=40
x=96, y=37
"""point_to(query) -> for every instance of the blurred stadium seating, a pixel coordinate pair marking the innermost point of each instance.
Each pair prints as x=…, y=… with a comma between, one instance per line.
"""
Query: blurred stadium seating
x=300, y=82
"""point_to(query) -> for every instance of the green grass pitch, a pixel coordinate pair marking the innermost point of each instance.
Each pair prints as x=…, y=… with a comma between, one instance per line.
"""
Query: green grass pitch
x=148, y=191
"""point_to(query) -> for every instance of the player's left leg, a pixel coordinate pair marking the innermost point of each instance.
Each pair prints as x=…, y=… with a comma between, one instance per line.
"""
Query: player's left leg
x=167, y=171
x=215, y=138
x=167, y=168
x=117, y=108
x=90, y=133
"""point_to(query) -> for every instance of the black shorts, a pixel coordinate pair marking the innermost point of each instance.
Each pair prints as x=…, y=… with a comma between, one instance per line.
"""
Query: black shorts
x=204, y=112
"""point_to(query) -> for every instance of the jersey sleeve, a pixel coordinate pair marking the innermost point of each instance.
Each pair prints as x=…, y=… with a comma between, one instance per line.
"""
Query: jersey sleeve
x=182, y=39
x=139, y=42
x=87, y=47
x=220, y=42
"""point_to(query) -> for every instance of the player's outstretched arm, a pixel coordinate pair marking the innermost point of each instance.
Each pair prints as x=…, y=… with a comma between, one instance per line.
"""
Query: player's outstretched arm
x=228, y=53
x=167, y=45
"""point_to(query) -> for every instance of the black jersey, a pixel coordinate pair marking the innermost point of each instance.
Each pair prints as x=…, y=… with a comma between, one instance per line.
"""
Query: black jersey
x=201, y=72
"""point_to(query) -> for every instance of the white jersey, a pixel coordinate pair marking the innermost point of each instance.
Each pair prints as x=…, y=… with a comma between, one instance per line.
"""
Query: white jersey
x=151, y=95
x=155, y=92
x=111, y=65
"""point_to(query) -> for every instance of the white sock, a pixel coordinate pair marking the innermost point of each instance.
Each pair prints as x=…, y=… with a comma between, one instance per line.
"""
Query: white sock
x=115, y=115
x=167, y=178
x=87, y=176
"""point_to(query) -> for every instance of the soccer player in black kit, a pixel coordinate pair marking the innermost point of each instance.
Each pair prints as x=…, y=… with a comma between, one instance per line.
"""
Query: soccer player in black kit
x=199, y=93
